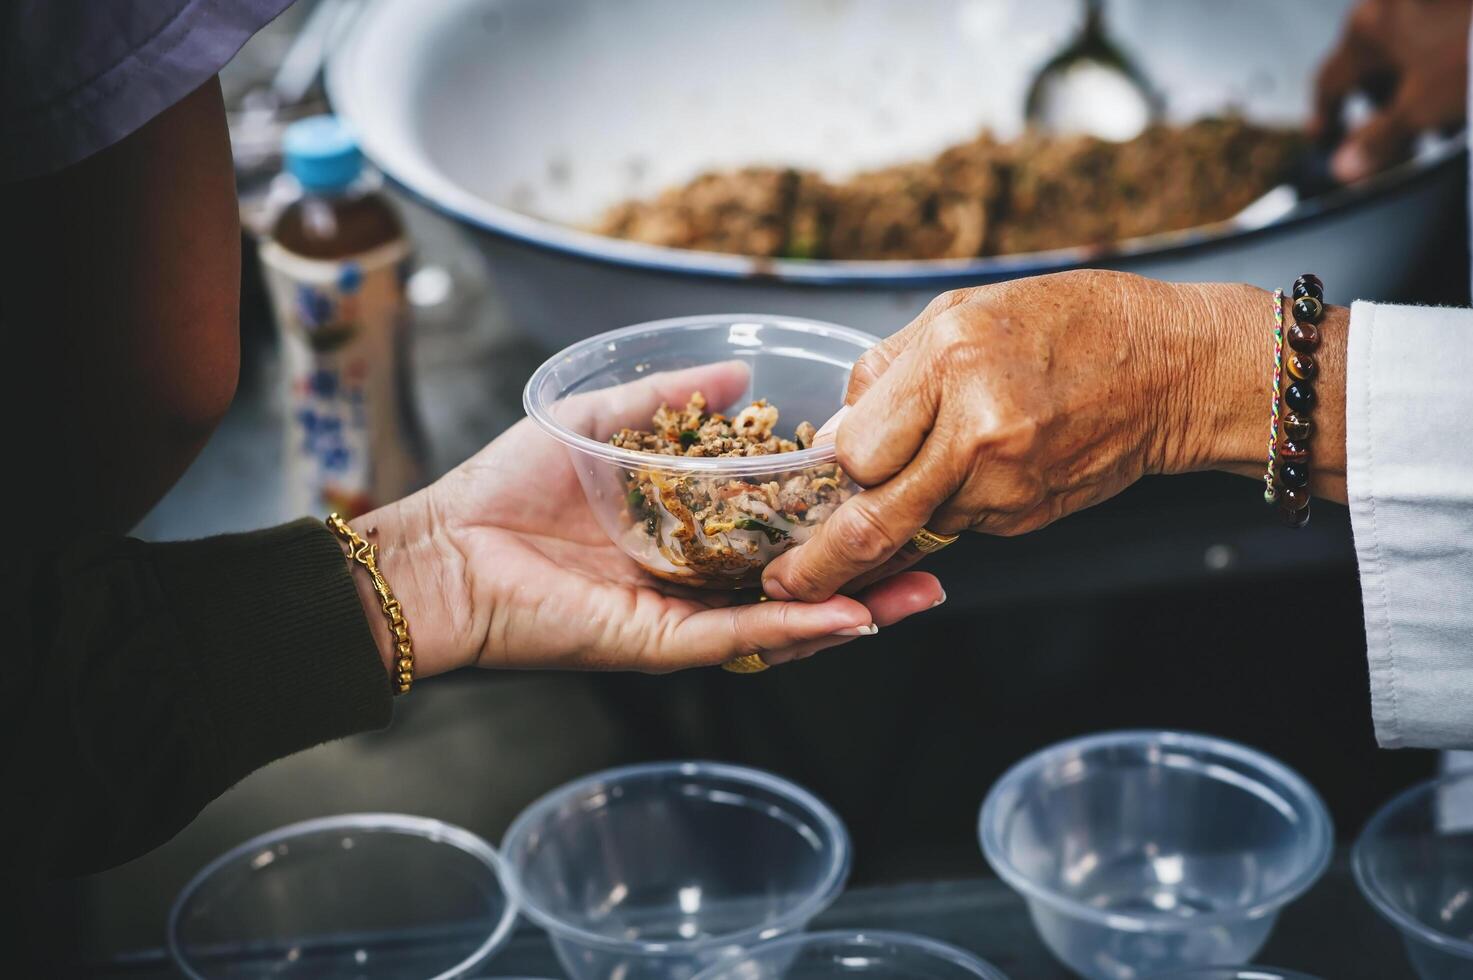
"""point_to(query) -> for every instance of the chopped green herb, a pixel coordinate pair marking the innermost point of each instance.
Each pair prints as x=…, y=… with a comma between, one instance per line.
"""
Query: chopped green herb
x=801, y=246
x=689, y=437
x=635, y=498
x=774, y=534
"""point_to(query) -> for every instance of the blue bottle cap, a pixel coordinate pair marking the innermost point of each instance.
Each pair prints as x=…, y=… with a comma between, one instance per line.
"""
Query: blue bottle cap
x=322, y=154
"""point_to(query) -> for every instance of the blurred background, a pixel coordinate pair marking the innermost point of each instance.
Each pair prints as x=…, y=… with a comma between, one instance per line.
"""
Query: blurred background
x=1163, y=607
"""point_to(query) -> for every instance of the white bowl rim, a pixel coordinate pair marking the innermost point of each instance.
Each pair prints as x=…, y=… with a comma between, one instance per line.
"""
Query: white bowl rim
x=963, y=958
x=413, y=171
x=436, y=831
x=1307, y=802
x=932, y=274
x=1393, y=913
x=536, y=409
x=821, y=896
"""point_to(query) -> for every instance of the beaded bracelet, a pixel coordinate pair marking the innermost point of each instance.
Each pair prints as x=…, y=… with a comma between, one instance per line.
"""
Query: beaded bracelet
x=1297, y=425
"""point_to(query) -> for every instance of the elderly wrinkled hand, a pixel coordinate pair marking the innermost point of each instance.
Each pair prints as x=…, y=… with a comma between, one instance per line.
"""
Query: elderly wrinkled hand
x=1003, y=408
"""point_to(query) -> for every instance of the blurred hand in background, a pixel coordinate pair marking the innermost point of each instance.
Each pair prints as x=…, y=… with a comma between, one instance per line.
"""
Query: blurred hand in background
x=1411, y=58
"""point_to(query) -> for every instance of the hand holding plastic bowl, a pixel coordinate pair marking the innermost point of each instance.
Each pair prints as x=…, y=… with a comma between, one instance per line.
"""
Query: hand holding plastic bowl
x=799, y=366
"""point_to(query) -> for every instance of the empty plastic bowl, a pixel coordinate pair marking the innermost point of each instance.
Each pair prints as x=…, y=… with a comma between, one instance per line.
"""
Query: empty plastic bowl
x=708, y=522
x=368, y=895
x=825, y=955
x=657, y=871
x=1414, y=863
x=1233, y=973
x=1142, y=852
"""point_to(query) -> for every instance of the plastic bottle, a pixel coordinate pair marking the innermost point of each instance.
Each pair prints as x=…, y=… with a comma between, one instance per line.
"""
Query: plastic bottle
x=335, y=265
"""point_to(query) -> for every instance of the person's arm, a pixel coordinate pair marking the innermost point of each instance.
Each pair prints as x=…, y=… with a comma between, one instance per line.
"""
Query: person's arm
x=121, y=298
x=145, y=679
x=1004, y=408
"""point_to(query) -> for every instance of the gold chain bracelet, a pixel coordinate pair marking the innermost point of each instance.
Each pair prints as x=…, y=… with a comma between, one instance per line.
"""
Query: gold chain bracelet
x=366, y=555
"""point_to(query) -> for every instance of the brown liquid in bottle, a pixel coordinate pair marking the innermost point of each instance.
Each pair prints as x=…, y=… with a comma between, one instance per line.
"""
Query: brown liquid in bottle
x=335, y=263
x=336, y=227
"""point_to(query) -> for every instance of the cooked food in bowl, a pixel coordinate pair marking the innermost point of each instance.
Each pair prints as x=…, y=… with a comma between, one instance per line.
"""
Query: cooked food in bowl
x=693, y=439
x=985, y=197
x=710, y=528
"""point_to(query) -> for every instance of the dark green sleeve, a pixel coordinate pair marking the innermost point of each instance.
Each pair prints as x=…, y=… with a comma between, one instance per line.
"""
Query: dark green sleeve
x=157, y=675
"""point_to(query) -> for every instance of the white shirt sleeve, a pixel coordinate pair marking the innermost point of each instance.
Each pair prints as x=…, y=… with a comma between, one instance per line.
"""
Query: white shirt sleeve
x=1409, y=454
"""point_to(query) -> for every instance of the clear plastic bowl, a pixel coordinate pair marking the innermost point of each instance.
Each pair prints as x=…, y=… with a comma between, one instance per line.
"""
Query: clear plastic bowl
x=1414, y=864
x=657, y=871
x=367, y=895
x=1142, y=852
x=586, y=394
x=1233, y=973
x=825, y=955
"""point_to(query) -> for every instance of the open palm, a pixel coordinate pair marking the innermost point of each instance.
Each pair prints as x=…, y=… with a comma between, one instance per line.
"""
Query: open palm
x=541, y=585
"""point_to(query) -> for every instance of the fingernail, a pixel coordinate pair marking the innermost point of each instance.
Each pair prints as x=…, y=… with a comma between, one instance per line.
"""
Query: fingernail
x=869, y=630
x=940, y=600
x=828, y=429
x=775, y=590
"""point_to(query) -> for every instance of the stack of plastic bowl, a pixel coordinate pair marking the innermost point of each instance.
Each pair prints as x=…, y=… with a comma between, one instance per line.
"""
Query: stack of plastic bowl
x=1414, y=863
x=1144, y=852
x=362, y=895
x=857, y=955
x=658, y=871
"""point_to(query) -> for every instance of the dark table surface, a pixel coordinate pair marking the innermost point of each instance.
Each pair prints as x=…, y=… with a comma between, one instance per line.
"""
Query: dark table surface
x=1329, y=932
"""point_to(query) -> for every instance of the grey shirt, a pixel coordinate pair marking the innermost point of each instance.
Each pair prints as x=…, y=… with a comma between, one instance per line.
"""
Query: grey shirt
x=76, y=76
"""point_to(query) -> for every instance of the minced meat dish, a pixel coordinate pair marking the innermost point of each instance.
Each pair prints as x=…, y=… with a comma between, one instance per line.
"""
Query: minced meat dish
x=985, y=197
x=711, y=530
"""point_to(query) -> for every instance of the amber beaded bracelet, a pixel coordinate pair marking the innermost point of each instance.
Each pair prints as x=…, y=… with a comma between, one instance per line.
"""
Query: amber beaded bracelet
x=1296, y=425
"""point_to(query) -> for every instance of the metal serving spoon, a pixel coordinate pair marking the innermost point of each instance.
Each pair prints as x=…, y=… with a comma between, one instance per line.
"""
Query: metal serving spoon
x=1092, y=87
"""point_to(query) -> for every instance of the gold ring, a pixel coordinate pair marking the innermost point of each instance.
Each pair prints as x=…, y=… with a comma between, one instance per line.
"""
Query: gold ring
x=928, y=542
x=752, y=663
